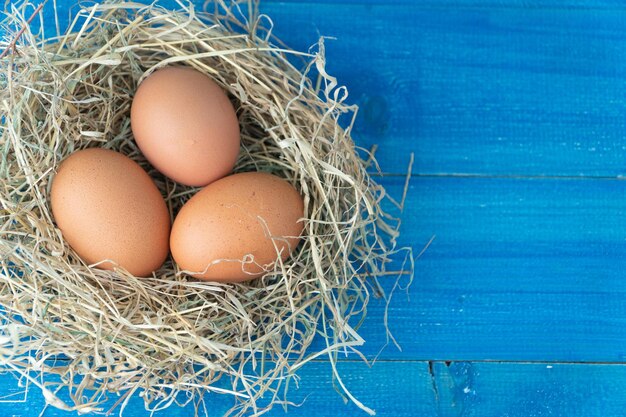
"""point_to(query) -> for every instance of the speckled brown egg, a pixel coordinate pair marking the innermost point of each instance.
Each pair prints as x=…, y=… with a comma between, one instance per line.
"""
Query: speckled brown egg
x=110, y=211
x=232, y=229
x=185, y=125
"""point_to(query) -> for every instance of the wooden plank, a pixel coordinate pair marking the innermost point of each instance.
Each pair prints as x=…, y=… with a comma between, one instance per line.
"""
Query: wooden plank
x=520, y=269
x=522, y=389
x=448, y=4
x=391, y=393
x=489, y=90
x=429, y=389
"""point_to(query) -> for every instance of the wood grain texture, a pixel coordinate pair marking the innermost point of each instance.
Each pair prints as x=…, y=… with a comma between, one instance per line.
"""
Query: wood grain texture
x=487, y=90
x=504, y=91
x=423, y=389
x=529, y=390
x=385, y=388
x=520, y=269
x=493, y=4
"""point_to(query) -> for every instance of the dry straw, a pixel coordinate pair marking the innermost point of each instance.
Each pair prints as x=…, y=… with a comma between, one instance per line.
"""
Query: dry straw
x=66, y=327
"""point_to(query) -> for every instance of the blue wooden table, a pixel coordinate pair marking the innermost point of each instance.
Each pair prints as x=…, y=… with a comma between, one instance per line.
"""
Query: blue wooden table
x=516, y=113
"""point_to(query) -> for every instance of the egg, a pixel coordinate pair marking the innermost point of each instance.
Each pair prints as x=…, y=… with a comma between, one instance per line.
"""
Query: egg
x=185, y=125
x=231, y=230
x=110, y=211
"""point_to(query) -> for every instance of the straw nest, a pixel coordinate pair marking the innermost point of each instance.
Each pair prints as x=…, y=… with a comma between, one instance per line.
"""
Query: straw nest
x=67, y=327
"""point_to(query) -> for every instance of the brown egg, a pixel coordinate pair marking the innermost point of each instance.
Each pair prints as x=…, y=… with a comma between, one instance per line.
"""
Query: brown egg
x=223, y=232
x=108, y=208
x=185, y=125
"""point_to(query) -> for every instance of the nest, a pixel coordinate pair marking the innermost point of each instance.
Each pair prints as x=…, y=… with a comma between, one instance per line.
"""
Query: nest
x=68, y=327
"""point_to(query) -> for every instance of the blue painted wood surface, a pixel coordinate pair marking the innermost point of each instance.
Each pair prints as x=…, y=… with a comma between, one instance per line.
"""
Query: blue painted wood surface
x=515, y=111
